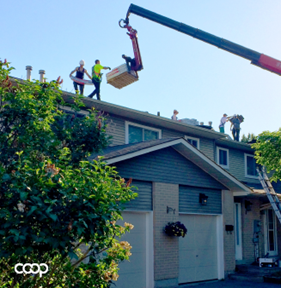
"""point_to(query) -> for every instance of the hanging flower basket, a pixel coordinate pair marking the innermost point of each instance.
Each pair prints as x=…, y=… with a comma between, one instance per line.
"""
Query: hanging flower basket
x=175, y=229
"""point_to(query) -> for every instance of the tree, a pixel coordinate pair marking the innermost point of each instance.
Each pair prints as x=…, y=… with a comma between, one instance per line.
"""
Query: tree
x=249, y=138
x=52, y=198
x=268, y=152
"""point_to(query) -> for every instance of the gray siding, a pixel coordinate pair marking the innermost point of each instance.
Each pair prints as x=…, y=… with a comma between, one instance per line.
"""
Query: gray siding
x=166, y=166
x=116, y=129
x=237, y=166
x=207, y=147
x=166, y=133
x=189, y=200
x=144, y=199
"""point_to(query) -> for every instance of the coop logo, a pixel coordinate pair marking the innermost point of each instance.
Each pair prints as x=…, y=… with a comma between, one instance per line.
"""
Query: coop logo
x=28, y=268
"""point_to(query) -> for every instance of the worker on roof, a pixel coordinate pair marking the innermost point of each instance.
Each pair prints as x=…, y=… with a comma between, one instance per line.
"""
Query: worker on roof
x=80, y=71
x=224, y=119
x=174, y=117
x=96, y=78
x=235, y=125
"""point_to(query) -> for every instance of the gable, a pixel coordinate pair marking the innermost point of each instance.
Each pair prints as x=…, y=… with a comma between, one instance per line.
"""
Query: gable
x=166, y=166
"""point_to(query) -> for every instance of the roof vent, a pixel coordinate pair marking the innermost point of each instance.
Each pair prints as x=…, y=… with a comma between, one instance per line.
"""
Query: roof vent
x=42, y=74
x=28, y=72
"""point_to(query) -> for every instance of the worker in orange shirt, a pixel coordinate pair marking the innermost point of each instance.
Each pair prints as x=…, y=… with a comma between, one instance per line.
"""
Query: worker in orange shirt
x=96, y=78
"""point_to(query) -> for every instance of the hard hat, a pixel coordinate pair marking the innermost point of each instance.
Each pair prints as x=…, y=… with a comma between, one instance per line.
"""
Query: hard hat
x=82, y=62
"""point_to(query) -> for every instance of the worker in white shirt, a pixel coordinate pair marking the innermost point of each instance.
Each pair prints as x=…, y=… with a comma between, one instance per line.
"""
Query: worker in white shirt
x=224, y=119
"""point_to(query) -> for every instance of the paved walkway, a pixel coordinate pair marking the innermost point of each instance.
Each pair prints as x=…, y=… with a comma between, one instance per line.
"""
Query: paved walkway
x=230, y=284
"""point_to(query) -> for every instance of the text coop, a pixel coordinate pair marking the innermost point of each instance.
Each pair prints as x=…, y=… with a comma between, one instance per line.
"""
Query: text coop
x=28, y=268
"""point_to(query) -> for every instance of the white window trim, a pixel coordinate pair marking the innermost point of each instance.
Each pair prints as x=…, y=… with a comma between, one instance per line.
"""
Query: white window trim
x=227, y=157
x=237, y=215
x=127, y=123
x=245, y=165
x=193, y=138
x=265, y=231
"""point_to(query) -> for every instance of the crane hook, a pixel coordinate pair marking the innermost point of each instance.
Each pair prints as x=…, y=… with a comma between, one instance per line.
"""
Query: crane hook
x=123, y=21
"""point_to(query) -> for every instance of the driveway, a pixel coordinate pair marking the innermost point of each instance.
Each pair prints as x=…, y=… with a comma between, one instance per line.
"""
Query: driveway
x=230, y=284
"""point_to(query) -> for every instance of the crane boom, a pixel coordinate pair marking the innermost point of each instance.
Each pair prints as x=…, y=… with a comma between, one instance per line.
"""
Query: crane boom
x=256, y=58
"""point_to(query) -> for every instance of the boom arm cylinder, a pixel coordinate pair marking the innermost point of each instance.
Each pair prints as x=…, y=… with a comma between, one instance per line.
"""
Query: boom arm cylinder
x=261, y=60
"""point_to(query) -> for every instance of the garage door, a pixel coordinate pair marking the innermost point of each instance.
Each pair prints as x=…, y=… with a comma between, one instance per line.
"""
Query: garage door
x=133, y=273
x=198, y=257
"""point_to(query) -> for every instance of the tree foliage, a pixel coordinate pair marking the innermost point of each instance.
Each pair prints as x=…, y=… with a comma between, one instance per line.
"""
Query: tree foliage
x=268, y=152
x=52, y=198
x=246, y=139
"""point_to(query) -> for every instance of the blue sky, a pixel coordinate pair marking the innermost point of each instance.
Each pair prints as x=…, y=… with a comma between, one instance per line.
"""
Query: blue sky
x=180, y=72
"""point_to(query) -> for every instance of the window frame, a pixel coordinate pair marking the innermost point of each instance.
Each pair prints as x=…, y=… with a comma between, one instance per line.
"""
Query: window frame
x=227, y=157
x=193, y=138
x=245, y=166
x=128, y=123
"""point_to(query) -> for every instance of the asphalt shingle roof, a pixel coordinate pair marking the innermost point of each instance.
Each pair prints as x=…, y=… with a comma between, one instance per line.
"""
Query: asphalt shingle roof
x=120, y=150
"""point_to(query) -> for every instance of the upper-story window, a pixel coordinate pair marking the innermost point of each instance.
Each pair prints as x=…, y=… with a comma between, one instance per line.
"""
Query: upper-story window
x=223, y=157
x=193, y=141
x=138, y=133
x=250, y=166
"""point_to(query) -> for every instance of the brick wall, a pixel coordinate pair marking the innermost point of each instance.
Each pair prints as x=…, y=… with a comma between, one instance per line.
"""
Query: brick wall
x=166, y=249
x=229, y=239
x=248, y=229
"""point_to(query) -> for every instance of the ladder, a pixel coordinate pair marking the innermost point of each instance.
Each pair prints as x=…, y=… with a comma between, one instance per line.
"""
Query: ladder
x=271, y=194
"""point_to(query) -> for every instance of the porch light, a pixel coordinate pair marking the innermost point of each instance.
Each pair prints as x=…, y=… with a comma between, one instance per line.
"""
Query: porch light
x=203, y=199
x=248, y=206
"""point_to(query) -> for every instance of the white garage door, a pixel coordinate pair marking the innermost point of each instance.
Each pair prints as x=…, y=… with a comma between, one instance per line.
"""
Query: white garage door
x=198, y=257
x=133, y=273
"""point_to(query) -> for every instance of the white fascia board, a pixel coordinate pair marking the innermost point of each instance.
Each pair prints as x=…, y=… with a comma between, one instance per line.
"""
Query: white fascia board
x=242, y=193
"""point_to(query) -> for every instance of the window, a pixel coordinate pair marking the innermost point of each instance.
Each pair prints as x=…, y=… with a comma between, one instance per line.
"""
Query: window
x=250, y=166
x=223, y=157
x=193, y=141
x=137, y=133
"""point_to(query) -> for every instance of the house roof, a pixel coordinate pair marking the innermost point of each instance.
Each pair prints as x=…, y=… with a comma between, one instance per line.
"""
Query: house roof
x=162, y=122
x=126, y=149
x=125, y=152
x=146, y=118
x=150, y=119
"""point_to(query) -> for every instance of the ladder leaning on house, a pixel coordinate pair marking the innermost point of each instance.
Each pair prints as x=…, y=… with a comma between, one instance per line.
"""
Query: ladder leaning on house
x=270, y=192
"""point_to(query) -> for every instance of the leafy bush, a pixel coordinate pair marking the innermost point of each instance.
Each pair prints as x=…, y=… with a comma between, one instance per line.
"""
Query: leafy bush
x=51, y=198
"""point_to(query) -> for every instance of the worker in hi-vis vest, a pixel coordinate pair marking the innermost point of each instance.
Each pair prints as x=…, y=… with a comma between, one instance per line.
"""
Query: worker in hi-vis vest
x=96, y=78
